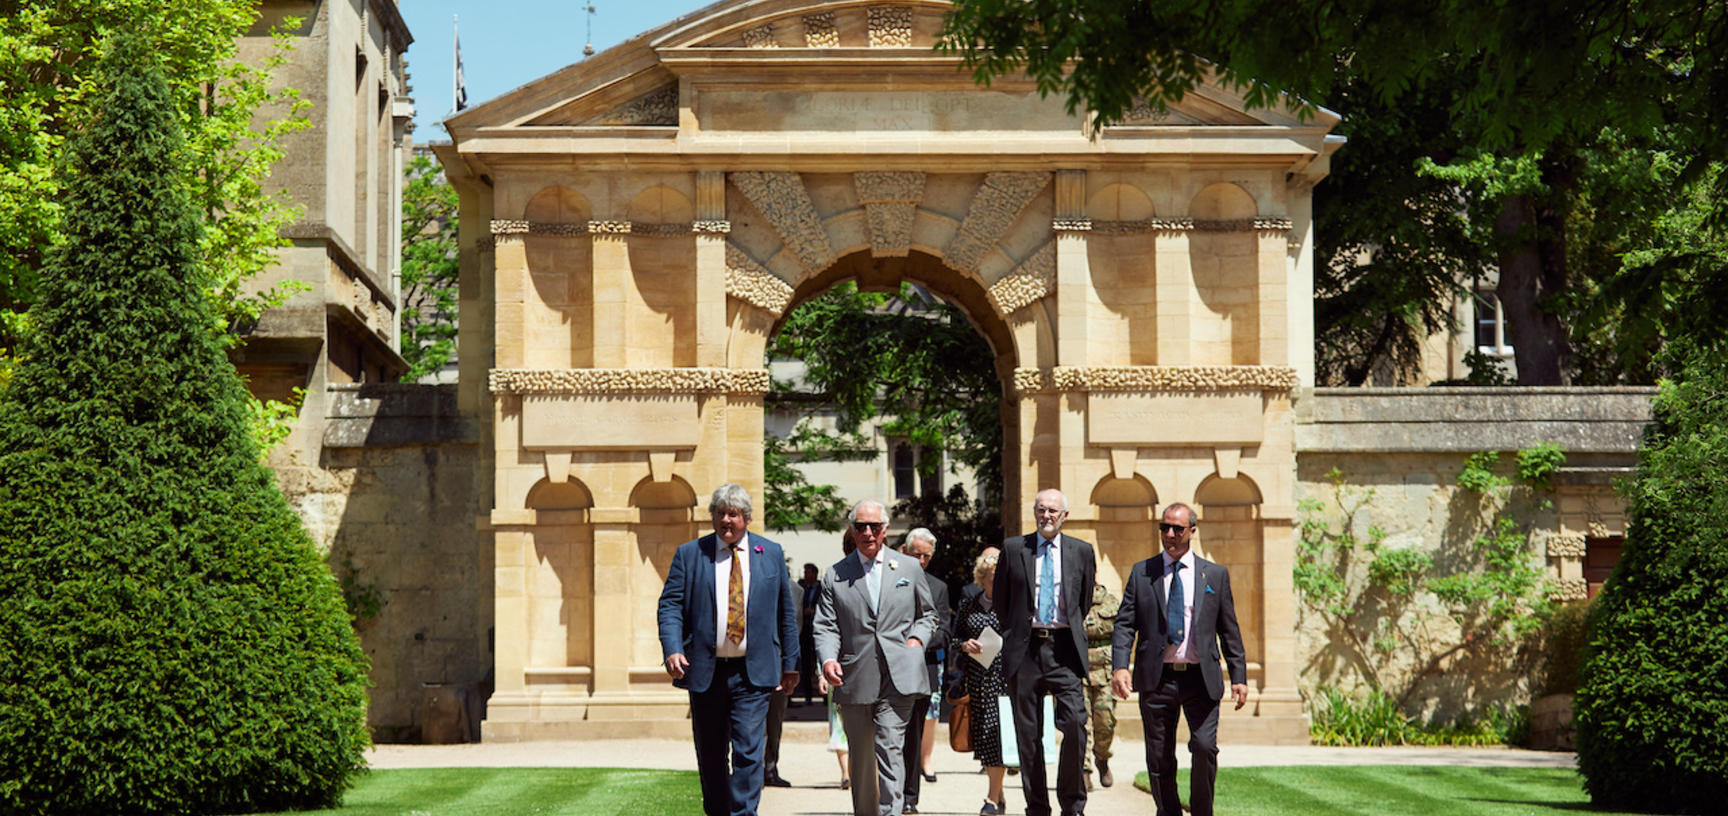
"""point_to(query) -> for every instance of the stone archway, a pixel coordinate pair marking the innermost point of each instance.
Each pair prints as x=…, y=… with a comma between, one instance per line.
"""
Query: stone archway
x=636, y=225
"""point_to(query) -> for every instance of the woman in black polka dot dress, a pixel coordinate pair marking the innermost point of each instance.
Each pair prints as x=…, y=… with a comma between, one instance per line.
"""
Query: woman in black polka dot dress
x=983, y=684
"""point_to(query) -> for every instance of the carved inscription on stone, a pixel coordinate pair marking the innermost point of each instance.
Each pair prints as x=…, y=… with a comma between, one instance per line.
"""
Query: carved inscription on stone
x=1191, y=418
x=588, y=422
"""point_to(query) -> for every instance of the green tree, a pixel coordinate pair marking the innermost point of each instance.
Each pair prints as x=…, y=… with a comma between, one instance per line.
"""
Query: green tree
x=49, y=50
x=173, y=641
x=1652, y=706
x=429, y=269
x=1525, y=94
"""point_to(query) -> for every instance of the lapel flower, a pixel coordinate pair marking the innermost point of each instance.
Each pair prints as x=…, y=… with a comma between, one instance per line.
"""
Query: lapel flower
x=758, y=548
x=893, y=565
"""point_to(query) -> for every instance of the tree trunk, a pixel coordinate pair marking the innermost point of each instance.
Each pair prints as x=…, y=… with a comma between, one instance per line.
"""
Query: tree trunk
x=1532, y=269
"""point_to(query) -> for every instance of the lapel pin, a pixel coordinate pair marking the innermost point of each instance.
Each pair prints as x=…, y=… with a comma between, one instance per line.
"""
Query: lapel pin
x=893, y=565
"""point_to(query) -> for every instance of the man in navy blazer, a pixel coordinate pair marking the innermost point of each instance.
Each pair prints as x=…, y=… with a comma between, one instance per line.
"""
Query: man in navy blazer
x=1042, y=592
x=1176, y=659
x=729, y=666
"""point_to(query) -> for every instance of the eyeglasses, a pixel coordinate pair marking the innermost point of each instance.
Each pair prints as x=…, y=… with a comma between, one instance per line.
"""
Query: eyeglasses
x=873, y=526
x=1174, y=528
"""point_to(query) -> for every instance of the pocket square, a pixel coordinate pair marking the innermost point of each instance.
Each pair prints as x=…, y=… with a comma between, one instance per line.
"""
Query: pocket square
x=1209, y=590
x=903, y=582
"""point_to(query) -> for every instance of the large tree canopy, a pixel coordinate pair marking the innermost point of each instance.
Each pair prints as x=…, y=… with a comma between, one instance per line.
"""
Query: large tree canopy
x=1477, y=130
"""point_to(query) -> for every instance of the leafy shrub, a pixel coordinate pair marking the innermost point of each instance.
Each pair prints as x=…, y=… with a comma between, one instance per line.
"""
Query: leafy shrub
x=1375, y=718
x=170, y=642
x=1652, y=708
x=1564, y=639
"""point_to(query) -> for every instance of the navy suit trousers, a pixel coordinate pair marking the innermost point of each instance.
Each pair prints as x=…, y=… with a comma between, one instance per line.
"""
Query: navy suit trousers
x=730, y=717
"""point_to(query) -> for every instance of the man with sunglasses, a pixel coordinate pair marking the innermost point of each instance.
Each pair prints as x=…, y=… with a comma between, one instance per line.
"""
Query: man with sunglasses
x=1179, y=607
x=1042, y=592
x=873, y=618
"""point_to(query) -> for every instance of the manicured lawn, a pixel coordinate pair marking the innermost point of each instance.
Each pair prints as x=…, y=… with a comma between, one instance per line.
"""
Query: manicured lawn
x=1379, y=790
x=540, y=791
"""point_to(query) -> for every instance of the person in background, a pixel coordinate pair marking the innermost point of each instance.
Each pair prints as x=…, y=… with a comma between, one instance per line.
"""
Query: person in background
x=920, y=730
x=1101, y=726
x=983, y=684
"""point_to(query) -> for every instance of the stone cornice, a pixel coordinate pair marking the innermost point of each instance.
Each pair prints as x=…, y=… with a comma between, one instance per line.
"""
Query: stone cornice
x=1153, y=378
x=646, y=381
x=515, y=228
x=1158, y=225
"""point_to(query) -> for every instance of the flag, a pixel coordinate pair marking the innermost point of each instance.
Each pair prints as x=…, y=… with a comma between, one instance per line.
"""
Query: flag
x=461, y=89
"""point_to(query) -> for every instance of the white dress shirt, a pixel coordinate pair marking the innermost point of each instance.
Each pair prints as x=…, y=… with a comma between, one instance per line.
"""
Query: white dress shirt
x=1054, y=553
x=723, y=566
x=1181, y=652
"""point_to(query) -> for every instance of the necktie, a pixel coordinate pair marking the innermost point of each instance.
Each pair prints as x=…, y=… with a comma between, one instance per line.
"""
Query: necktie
x=1176, y=610
x=872, y=583
x=735, y=596
x=1047, y=587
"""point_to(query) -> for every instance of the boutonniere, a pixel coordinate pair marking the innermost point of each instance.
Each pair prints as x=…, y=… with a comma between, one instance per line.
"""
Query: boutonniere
x=758, y=548
x=893, y=565
x=903, y=582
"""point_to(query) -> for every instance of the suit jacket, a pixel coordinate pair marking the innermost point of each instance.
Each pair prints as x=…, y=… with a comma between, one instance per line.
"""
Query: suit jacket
x=686, y=613
x=936, y=646
x=1016, y=601
x=871, y=646
x=1143, y=615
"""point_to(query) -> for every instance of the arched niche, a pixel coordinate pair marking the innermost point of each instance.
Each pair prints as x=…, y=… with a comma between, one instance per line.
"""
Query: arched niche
x=559, y=578
x=1230, y=534
x=1122, y=325
x=1223, y=255
x=1126, y=528
x=660, y=305
x=557, y=317
x=666, y=517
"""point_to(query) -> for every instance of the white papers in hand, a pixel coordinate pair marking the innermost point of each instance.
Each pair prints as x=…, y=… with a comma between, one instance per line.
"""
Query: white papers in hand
x=992, y=643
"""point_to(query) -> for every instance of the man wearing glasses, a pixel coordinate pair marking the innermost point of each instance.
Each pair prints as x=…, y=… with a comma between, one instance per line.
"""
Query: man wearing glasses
x=1042, y=592
x=873, y=618
x=1179, y=605
x=921, y=544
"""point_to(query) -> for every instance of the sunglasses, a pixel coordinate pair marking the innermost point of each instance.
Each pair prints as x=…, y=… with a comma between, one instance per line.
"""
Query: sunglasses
x=1174, y=528
x=861, y=526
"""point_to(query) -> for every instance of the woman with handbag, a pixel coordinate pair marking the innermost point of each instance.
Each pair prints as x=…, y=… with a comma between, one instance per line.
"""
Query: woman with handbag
x=983, y=684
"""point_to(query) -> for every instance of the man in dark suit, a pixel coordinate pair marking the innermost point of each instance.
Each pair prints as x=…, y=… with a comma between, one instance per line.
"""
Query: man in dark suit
x=921, y=544
x=729, y=633
x=1043, y=590
x=872, y=622
x=1179, y=607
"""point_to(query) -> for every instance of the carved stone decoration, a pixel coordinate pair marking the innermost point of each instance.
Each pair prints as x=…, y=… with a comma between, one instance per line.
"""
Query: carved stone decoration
x=652, y=230
x=1242, y=225
x=1062, y=379
x=1143, y=114
x=1029, y=282
x=1071, y=224
x=998, y=201
x=749, y=282
x=1569, y=589
x=890, y=201
x=609, y=229
x=513, y=229
x=1150, y=226
x=782, y=198
x=1566, y=545
x=657, y=107
x=890, y=26
x=711, y=226
x=820, y=31
x=628, y=381
x=760, y=37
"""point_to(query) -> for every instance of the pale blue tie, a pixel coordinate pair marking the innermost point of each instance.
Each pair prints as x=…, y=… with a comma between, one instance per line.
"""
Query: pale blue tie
x=1047, y=586
x=872, y=583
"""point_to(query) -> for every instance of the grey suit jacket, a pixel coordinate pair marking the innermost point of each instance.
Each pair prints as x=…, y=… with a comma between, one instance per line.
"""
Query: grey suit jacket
x=875, y=661
x=1141, y=626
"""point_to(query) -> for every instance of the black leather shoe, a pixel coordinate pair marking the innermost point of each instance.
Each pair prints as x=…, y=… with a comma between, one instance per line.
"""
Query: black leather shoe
x=929, y=777
x=776, y=782
x=909, y=809
x=845, y=784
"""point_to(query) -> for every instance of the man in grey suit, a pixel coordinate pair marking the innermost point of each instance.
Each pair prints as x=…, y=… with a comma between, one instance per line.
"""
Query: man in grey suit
x=1179, y=607
x=872, y=621
x=921, y=544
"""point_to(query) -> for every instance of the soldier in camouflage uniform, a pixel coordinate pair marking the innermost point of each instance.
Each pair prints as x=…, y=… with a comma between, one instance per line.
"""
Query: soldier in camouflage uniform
x=1101, y=726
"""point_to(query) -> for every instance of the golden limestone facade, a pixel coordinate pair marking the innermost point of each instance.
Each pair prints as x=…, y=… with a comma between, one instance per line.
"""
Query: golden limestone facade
x=636, y=225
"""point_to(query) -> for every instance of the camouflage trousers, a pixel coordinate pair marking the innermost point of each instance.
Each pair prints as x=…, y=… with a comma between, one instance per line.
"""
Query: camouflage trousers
x=1101, y=725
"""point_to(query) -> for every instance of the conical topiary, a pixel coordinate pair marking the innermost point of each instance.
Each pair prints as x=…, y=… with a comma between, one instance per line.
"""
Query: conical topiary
x=170, y=642
x=1652, y=704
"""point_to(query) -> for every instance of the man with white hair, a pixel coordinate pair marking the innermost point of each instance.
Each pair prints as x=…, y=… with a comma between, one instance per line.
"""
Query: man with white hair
x=873, y=619
x=921, y=544
x=729, y=634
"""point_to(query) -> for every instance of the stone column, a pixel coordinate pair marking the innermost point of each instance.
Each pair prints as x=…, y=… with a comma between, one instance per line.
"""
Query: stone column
x=611, y=291
x=614, y=544
x=1272, y=250
x=510, y=258
x=711, y=229
x=1279, y=698
x=1073, y=289
x=1174, y=282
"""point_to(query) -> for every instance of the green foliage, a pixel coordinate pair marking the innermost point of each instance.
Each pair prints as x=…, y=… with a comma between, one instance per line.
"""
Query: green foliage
x=363, y=599
x=270, y=422
x=962, y=526
x=1565, y=637
x=1478, y=475
x=791, y=501
x=1375, y=718
x=430, y=269
x=547, y=791
x=174, y=643
x=1538, y=463
x=1652, y=706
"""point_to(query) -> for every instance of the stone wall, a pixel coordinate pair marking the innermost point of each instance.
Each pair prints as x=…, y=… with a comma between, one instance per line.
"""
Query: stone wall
x=1399, y=453
x=393, y=501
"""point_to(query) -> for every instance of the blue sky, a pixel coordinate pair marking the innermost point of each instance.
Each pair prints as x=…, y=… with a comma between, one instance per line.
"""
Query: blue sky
x=509, y=43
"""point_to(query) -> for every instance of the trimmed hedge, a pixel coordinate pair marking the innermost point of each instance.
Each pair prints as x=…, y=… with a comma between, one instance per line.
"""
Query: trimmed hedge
x=1652, y=707
x=171, y=640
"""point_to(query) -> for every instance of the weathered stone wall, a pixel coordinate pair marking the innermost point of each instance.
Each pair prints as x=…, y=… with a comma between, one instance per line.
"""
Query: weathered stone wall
x=1399, y=453
x=393, y=501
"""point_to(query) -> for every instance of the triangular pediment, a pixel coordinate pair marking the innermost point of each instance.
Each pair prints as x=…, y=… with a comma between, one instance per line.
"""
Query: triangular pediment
x=871, y=61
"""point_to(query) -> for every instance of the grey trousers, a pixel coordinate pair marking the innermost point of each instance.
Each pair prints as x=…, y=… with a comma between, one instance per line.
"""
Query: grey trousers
x=878, y=776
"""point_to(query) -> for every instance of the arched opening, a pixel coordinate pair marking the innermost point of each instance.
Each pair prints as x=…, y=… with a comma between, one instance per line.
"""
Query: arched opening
x=1126, y=531
x=667, y=516
x=941, y=312
x=559, y=583
x=1230, y=534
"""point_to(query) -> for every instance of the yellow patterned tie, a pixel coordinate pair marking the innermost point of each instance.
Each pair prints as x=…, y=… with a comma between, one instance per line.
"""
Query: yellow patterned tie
x=735, y=596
